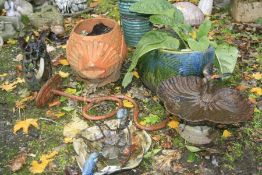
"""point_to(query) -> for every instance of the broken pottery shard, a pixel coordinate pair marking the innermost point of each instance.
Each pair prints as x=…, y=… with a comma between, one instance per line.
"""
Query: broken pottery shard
x=199, y=135
x=194, y=100
x=93, y=133
x=81, y=149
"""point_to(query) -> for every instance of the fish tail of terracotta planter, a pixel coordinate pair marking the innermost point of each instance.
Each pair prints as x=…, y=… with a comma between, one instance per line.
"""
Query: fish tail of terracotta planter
x=97, y=59
x=134, y=25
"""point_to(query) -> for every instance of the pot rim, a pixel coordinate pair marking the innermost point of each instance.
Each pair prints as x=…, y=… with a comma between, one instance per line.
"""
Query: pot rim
x=210, y=49
x=95, y=36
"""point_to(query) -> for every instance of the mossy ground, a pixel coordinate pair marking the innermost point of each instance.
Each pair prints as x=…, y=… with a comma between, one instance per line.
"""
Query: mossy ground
x=239, y=154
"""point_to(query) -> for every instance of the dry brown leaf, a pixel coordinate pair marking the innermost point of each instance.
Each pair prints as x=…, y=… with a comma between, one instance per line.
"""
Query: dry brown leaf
x=54, y=115
x=25, y=125
x=241, y=88
x=165, y=162
x=55, y=102
x=18, y=161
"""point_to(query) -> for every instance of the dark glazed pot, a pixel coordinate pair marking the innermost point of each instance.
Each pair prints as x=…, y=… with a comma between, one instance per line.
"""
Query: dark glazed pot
x=157, y=66
x=134, y=25
x=97, y=59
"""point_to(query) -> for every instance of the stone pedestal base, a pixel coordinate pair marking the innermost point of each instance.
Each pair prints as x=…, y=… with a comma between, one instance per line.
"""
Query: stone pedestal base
x=246, y=10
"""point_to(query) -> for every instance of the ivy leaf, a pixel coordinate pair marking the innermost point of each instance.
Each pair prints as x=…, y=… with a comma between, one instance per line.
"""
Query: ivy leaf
x=152, y=119
x=204, y=29
x=151, y=6
x=150, y=41
x=193, y=149
x=227, y=58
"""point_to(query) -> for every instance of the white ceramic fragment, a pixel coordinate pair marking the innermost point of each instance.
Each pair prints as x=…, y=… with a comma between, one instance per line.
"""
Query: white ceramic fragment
x=206, y=6
x=192, y=14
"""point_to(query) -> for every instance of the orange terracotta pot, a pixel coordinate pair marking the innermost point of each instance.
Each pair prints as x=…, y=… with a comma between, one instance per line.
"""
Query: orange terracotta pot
x=97, y=59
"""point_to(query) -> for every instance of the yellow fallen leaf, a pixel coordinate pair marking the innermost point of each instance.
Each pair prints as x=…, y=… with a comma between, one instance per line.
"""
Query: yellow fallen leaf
x=256, y=90
x=135, y=74
x=63, y=74
x=63, y=46
x=226, y=134
x=3, y=75
x=21, y=103
x=25, y=125
x=64, y=62
x=257, y=76
x=70, y=91
x=39, y=167
x=11, y=41
x=68, y=140
x=128, y=104
x=193, y=35
x=8, y=86
x=142, y=123
x=27, y=38
x=19, y=80
x=155, y=98
x=173, y=124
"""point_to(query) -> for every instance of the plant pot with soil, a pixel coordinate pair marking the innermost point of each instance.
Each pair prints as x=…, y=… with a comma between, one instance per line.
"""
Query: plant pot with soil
x=96, y=49
x=177, y=48
x=134, y=25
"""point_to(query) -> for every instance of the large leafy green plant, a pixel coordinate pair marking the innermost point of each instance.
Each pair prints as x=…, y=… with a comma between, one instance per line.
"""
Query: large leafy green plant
x=178, y=35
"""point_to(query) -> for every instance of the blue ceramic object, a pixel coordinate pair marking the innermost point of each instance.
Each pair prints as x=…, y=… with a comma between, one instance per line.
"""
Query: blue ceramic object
x=134, y=25
x=157, y=66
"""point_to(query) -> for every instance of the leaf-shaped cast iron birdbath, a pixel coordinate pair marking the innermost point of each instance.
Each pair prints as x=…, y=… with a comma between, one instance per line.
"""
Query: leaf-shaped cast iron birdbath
x=195, y=99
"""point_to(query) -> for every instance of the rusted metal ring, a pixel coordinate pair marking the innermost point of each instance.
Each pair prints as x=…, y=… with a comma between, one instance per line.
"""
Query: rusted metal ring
x=155, y=127
x=96, y=100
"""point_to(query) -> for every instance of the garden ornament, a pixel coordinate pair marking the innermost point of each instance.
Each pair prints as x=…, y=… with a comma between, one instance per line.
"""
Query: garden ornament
x=48, y=17
x=18, y=8
x=96, y=59
x=192, y=14
x=50, y=89
x=196, y=99
x=119, y=149
x=206, y=6
x=72, y=7
x=36, y=62
x=9, y=27
x=90, y=164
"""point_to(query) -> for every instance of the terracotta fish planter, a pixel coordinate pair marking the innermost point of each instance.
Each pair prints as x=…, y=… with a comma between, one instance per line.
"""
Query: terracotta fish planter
x=97, y=59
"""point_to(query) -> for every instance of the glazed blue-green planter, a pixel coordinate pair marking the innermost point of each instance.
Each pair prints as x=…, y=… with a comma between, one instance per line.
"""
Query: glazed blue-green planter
x=134, y=25
x=157, y=66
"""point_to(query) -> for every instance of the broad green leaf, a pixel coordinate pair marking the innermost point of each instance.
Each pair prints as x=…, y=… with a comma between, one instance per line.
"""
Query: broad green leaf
x=204, y=29
x=179, y=17
x=200, y=45
x=161, y=20
x=152, y=153
x=227, y=58
x=152, y=119
x=191, y=157
x=68, y=109
x=193, y=149
x=151, y=6
x=150, y=41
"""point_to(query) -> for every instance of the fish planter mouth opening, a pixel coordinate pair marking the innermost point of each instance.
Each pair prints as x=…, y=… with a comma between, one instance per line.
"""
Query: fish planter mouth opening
x=97, y=58
x=82, y=26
